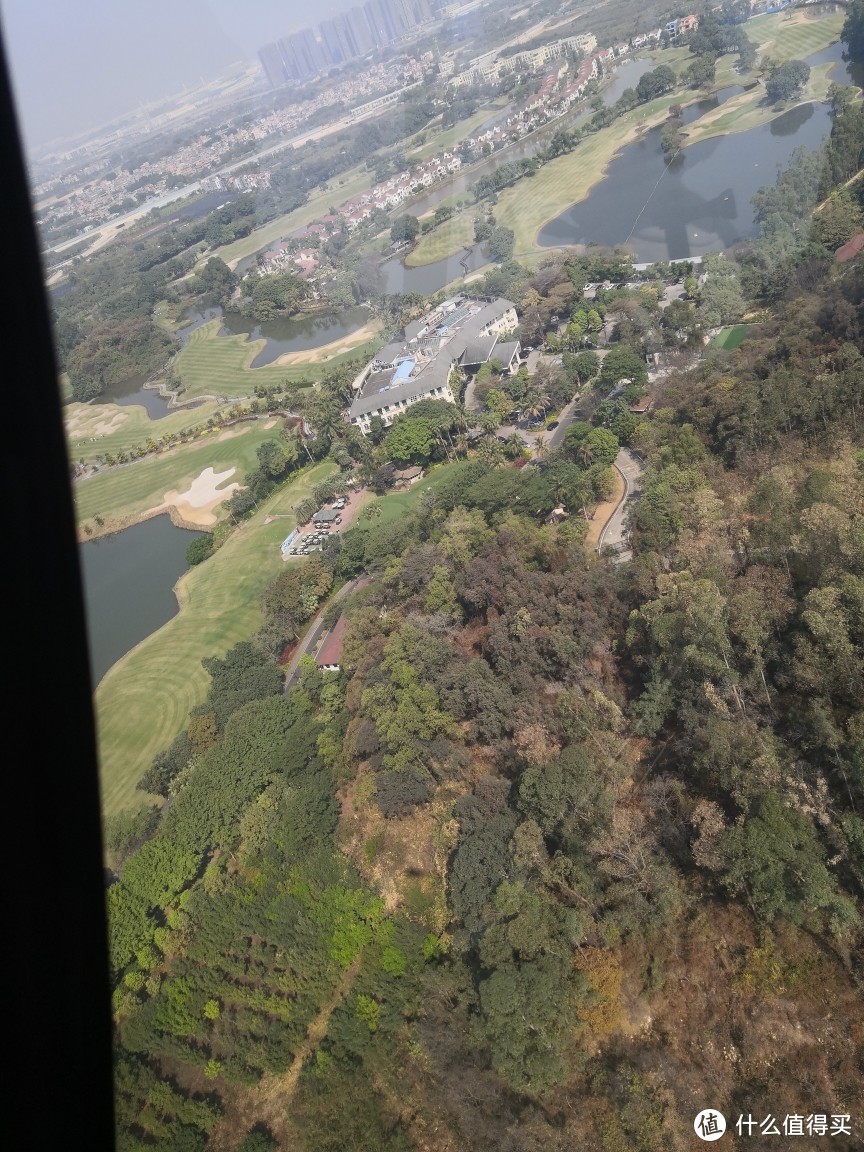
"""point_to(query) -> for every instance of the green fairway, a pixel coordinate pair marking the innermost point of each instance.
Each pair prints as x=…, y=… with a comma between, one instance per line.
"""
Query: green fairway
x=92, y=430
x=784, y=39
x=448, y=137
x=730, y=338
x=211, y=364
x=750, y=109
x=342, y=188
x=118, y=495
x=145, y=699
x=453, y=236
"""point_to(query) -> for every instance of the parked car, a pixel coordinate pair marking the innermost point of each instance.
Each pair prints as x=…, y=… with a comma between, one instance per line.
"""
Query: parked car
x=554, y=424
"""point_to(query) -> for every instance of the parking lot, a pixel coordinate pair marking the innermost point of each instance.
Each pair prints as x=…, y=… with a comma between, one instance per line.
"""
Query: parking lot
x=313, y=538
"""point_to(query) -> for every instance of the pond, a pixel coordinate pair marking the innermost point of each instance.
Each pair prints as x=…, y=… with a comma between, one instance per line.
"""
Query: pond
x=627, y=75
x=698, y=203
x=128, y=587
x=294, y=334
x=844, y=71
x=287, y=334
x=430, y=278
x=132, y=391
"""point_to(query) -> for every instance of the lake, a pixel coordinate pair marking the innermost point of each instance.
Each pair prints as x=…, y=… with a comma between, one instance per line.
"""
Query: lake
x=698, y=203
x=128, y=587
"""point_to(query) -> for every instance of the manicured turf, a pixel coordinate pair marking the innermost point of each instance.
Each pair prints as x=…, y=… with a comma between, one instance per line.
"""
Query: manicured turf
x=750, y=109
x=396, y=504
x=220, y=365
x=453, y=136
x=86, y=424
x=351, y=183
x=118, y=495
x=731, y=338
x=453, y=236
x=797, y=38
x=145, y=699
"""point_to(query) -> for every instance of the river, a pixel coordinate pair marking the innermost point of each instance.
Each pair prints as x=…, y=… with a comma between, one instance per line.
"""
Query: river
x=128, y=587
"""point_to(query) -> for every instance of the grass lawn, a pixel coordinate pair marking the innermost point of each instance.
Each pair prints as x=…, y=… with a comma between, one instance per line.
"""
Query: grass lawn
x=118, y=495
x=342, y=188
x=145, y=699
x=796, y=38
x=448, y=238
x=450, y=136
x=730, y=338
x=398, y=503
x=221, y=365
x=750, y=109
x=119, y=428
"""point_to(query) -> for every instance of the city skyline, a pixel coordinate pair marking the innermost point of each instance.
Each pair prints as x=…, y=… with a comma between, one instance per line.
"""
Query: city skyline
x=76, y=67
x=346, y=35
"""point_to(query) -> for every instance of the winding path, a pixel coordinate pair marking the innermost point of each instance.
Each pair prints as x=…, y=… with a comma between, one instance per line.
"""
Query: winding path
x=616, y=534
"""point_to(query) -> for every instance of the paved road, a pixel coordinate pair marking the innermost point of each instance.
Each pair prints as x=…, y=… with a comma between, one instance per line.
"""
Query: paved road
x=615, y=534
x=316, y=631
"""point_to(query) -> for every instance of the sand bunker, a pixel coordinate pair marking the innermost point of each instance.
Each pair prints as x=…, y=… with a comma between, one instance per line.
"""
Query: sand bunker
x=87, y=421
x=328, y=351
x=197, y=504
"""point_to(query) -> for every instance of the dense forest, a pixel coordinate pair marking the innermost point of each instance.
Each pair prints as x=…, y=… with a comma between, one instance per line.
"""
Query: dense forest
x=567, y=850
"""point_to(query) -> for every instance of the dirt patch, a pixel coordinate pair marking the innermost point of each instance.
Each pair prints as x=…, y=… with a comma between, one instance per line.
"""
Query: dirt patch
x=196, y=506
x=603, y=513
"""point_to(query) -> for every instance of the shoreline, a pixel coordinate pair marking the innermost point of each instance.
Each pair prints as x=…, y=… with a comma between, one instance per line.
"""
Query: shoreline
x=116, y=525
x=631, y=137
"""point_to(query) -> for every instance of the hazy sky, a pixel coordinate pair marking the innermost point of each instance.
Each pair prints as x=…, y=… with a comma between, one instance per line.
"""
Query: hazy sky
x=78, y=63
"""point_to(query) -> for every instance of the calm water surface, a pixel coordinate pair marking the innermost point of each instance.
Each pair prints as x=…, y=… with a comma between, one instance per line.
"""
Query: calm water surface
x=297, y=334
x=698, y=203
x=294, y=334
x=128, y=587
x=132, y=391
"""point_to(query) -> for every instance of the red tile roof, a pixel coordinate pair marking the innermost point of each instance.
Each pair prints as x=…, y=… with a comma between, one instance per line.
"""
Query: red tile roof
x=330, y=652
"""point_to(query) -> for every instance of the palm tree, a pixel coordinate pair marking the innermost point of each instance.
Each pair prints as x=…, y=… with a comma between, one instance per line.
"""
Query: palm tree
x=514, y=446
x=585, y=454
x=461, y=444
x=541, y=448
x=537, y=404
x=491, y=451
